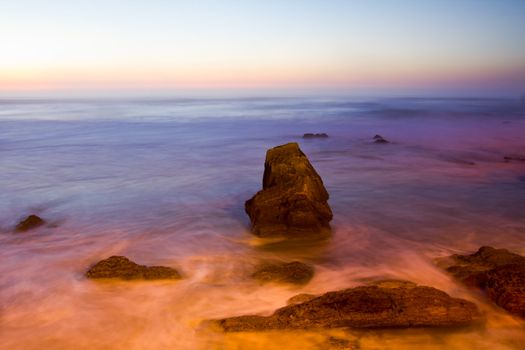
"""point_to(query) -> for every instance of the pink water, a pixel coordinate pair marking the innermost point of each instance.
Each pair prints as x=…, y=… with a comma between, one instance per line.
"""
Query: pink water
x=164, y=182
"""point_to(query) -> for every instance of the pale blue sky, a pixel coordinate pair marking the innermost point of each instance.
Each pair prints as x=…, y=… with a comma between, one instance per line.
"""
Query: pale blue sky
x=333, y=44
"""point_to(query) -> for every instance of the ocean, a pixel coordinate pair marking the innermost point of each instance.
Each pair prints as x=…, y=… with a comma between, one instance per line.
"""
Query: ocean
x=164, y=181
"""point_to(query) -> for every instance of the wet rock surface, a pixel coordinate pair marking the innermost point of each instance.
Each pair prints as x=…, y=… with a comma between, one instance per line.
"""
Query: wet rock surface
x=365, y=307
x=498, y=272
x=336, y=343
x=293, y=272
x=29, y=223
x=313, y=136
x=293, y=201
x=379, y=139
x=120, y=267
x=300, y=298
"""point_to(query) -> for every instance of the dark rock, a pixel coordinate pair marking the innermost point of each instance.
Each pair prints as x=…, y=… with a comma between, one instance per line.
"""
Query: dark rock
x=336, y=343
x=294, y=272
x=311, y=136
x=498, y=272
x=505, y=285
x=29, y=223
x=485, y=259
x=385, y=284
x=380, y=139
x=300, y=298
x=293, y=201
x=365, y=307
x=452, y=159
x=123, y=268
x=516, y=158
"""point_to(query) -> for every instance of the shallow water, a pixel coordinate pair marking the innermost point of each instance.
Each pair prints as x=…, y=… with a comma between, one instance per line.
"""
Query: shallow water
x=164, y=182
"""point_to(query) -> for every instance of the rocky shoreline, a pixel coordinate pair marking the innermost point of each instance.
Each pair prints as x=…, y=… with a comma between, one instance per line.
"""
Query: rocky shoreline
x=293, y=204
x=289, y=175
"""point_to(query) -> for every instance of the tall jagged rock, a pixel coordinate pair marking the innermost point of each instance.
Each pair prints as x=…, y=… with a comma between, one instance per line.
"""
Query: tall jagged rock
x=293, y=201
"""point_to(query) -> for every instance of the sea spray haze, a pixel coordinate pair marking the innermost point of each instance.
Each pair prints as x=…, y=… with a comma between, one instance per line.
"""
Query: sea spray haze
x=164, y=182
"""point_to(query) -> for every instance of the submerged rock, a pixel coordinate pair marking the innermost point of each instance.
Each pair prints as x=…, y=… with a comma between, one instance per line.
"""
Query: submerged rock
x=498, y=272
x=380, y=139
x=337, y=343
x=123, y=268
x=311, y=136
x=293, y=201
x=455, y=160
x=294, y=272
x=365, y=307
x=516, y=158
x=29, y=223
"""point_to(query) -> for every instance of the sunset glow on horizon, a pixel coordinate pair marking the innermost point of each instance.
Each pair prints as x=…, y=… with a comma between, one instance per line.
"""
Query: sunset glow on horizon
x=120, y=45
x=262, y=174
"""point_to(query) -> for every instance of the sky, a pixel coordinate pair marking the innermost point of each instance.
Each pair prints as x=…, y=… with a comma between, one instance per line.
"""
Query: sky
x=318, y=45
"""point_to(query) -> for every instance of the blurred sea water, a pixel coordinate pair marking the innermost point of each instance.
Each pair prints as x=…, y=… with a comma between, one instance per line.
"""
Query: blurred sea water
x=163, y=181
